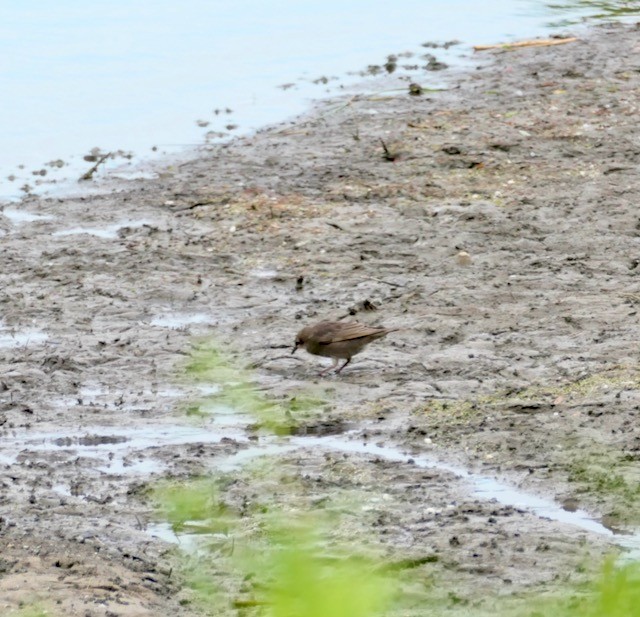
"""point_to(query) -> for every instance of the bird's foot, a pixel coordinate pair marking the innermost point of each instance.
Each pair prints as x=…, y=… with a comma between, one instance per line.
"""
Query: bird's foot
x=345, y=364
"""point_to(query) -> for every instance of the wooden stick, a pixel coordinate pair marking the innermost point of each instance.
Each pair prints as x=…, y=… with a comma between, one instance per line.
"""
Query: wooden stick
x=390, y=283
x=533, y=43
x=89, y=174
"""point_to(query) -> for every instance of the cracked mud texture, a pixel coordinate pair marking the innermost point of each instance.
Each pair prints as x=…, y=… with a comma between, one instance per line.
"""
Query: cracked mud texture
x=518, y=358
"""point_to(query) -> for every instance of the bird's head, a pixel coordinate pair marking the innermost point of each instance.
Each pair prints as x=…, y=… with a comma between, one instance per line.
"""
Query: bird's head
x=301, y=339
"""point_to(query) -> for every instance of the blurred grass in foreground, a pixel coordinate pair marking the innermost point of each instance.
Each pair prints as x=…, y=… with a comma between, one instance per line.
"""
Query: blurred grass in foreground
x=285, y=566
x=618, y=593
x=304, y=580
x=35, y=610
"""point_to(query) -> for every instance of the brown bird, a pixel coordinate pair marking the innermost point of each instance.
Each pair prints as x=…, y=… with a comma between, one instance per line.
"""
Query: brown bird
x=338, y=340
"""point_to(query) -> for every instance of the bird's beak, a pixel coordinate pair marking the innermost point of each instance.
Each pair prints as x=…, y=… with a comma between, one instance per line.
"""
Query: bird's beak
x=295, y=347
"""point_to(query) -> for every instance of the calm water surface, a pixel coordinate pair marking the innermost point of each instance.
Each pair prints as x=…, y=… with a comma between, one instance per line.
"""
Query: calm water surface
x=136, y=75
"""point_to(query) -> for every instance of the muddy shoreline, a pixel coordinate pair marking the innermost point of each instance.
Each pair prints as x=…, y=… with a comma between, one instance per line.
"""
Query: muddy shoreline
x=518, y=361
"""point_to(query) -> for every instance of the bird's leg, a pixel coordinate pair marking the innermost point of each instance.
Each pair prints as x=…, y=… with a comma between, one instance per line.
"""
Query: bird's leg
x=335, y=363
x=345, y=364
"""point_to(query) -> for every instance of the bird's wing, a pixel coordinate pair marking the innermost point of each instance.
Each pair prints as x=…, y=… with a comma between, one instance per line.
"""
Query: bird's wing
x=336, y=331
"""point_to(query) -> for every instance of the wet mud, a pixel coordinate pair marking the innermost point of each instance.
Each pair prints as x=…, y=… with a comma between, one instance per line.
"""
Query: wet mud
x=493, y=440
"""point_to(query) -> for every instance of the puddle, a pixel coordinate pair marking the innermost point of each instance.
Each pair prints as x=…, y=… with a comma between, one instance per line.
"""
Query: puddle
x=91, y=391
x=62, y=489
x=20, y=338
x=268, y=448
x=481, y=486
x=189, y=542
x=117, y=439
x=169, y=392
x=122, y=467
x=6, y=460
x=115, y=449
x=208, y=389
x=22, y=216
x=264, y=273
x=225, y=416
x=108, y=233
x=180, y=320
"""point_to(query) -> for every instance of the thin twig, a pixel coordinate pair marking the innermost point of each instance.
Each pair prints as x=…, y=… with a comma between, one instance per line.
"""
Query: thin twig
x=391, y=283
x=198, y=204
x=534, y=43
x=335, y=225
x=89, y=174
x=388, y=155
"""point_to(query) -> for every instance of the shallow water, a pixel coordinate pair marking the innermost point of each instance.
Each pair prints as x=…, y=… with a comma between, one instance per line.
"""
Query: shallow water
x=10, y=337
x=115, y=451
x=22, y=216
x=189, y=542
x=483, y=487
x=165, y=76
